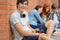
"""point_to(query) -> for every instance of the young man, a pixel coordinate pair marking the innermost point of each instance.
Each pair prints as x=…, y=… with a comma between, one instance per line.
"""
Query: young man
x=20, y=26
x=55, y=15
x=37, y=22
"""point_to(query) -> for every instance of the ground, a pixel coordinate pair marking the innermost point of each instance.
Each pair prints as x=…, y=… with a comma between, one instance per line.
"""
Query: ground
x=56, y=36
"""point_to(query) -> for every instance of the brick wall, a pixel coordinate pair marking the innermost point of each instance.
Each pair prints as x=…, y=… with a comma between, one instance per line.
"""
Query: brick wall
x=11, y=8
x=4, y=29
x=41, y=2
x=6, y=8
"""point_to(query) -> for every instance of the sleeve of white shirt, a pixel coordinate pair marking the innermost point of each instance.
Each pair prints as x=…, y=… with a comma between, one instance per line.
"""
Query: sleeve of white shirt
x=56, y=18
x=14, y=20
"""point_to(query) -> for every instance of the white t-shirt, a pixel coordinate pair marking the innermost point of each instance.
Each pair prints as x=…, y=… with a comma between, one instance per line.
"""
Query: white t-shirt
x=56, y=19
x=16, y=18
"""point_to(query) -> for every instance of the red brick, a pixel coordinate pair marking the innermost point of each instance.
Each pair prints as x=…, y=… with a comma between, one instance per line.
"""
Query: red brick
x=4, y=39
x=4, y=21
x=3, y=7
x=12, y=7
x=3, y=12
x=3, y=3
x=4, y=35
x=12, y=3
x=4, y=30
x=11, y=11
x=4, y=26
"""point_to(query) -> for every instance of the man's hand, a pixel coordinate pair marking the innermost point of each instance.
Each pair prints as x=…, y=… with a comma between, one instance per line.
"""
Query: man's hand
x=33, y=31
x=37, y=30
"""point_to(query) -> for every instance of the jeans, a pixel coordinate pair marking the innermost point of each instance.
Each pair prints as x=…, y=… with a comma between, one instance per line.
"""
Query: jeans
x=58, y=26
x=40, y=26
x=31, y=38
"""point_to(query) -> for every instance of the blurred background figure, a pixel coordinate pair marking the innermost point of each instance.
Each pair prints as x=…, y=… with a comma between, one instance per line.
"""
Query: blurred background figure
x=56, y=15
x=45, y=11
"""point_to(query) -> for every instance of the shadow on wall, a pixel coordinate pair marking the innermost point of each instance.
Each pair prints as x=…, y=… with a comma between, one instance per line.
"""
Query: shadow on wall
x=12, y=37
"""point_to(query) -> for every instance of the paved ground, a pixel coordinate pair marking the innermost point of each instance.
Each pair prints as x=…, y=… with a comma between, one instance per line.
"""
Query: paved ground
x=56, y=37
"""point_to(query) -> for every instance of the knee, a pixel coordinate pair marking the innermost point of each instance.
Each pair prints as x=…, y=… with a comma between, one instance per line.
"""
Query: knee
x=51, y=23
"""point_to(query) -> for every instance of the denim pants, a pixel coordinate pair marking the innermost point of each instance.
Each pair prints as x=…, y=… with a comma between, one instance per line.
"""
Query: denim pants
x=58, y=26
x=31, y=38
x=40, y=26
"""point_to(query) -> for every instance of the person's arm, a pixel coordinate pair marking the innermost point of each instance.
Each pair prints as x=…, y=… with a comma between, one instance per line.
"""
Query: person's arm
x=18, y=26
x=39, y=17
x=22, y=32
x=25, y=33
x=33, y=30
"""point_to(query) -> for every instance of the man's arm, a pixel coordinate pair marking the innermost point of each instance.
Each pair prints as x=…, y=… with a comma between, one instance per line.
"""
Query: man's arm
x=33, y=30
x=39, y=17
x=20, y=29
x=18, y=26
x=25, y=33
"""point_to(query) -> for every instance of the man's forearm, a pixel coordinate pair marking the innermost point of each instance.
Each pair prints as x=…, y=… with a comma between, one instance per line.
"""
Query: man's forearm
x=30, y=27
x=30, y=34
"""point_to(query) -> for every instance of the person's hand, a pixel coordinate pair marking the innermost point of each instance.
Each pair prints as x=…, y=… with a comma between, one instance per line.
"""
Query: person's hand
x=37, y=30
x=33, y=30
x=44, y=37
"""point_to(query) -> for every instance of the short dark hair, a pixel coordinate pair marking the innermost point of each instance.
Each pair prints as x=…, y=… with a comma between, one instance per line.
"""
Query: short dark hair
x=21, y=1
x=54, y=6
x=37, y=7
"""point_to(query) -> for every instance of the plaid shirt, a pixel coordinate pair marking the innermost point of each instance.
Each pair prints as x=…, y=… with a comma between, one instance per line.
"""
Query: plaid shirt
x=51, y=16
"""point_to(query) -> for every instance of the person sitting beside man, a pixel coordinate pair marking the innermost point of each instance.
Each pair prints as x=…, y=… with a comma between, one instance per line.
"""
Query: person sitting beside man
x=36, y=21
x=54, y=15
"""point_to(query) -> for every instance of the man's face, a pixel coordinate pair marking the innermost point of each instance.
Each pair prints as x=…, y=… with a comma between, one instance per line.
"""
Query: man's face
x=22, y=6
x=40, y=9
x=55, y=10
